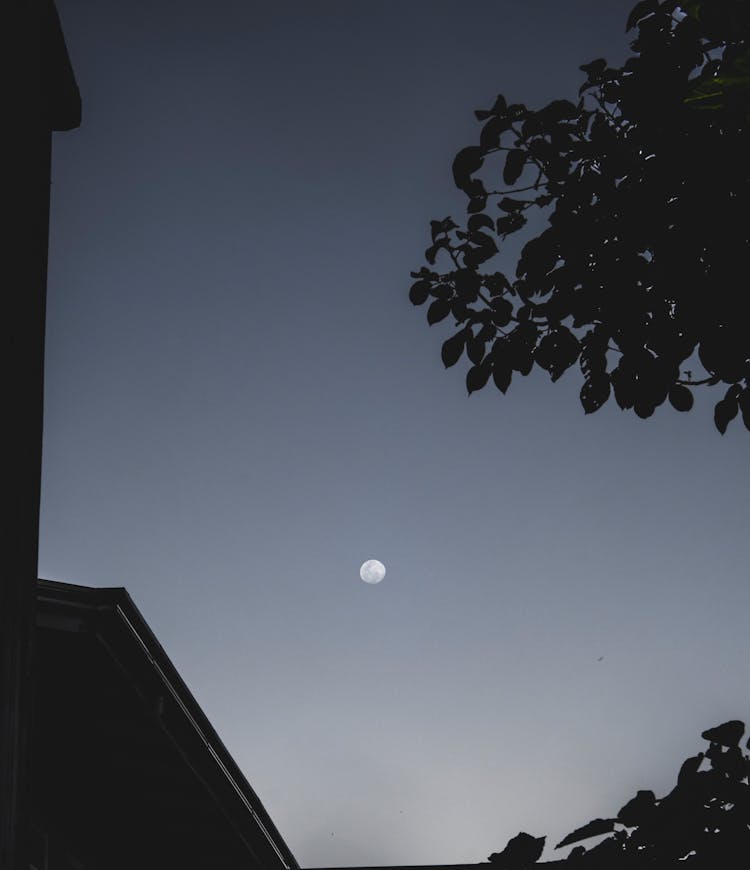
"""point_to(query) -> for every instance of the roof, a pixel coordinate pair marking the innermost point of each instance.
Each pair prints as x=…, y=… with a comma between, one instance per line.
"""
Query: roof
x=125, y=760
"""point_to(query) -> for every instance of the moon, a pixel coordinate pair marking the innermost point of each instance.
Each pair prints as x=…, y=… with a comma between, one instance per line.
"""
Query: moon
x=372, y=571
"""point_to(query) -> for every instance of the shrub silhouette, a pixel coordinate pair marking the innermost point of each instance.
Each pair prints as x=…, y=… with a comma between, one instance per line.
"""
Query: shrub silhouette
x=702, y=824
x=523, y=850
x=645, y=182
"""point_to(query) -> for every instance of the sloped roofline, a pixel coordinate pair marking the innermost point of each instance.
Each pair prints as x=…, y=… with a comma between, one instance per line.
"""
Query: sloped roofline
x=71, y=601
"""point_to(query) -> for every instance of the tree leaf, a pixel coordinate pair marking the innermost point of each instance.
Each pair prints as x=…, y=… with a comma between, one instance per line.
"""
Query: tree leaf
x=744, y=405
x=491, y=132
x=507, y=203
x=514, y=164
x=419, y=292
x=558, y=110
x=557, y=351
x=592, y=829
x=436, y=227
x=644, y=408
x=502, y=311
x=467, y=161
x=453, y=348
x=459, y=310
x=689, y=769
x=605, y=854
x=724, y=412
x=521, y=345
x=497, y=284
x=474, y=255
x=623, y=384
x=439, y=228
x=477, y=376
x=501, y=375
x=441, y=291
x=483, y=240
x=477, y=204
x=638, y=810
x=477, y=221
x=542, y=149
x=431, y=252
x=468, y=284
x=595, y=68
x=487, y=332
x=728, y=734
x=595, y=392
x=727, y=762
x=500, y=106
x=594, y=352
x=680, y=398
x=475, y=350
x=438, y=311
x=520, y=853
x=510, y=223
x=640, y=11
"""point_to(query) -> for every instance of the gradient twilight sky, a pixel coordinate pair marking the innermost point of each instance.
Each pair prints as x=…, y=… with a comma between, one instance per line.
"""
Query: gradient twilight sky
x=242, y=406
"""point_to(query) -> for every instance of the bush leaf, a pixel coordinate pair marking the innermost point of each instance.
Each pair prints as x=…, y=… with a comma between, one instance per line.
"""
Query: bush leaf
x=592, y=829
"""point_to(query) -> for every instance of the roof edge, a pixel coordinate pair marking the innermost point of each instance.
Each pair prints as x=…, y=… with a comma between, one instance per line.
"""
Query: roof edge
x=119, y=604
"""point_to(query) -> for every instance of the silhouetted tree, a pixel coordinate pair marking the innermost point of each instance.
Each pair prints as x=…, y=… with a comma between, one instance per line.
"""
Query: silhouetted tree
x=702, y=824
x=645, y=183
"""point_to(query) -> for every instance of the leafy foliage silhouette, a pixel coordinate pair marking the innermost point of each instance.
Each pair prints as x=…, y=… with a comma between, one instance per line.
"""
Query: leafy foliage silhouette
x=702, y=824
x=645, y=183
x=522, y=851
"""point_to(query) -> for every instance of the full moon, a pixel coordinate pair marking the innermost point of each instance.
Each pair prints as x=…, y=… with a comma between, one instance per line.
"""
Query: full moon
x=372, y=571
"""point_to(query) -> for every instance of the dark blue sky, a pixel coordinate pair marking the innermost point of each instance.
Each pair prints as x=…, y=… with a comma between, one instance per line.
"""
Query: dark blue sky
x=242, y=406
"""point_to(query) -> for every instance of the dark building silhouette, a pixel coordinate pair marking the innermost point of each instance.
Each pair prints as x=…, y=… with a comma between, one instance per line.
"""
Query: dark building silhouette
x=40, y=96
x=128, y=771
